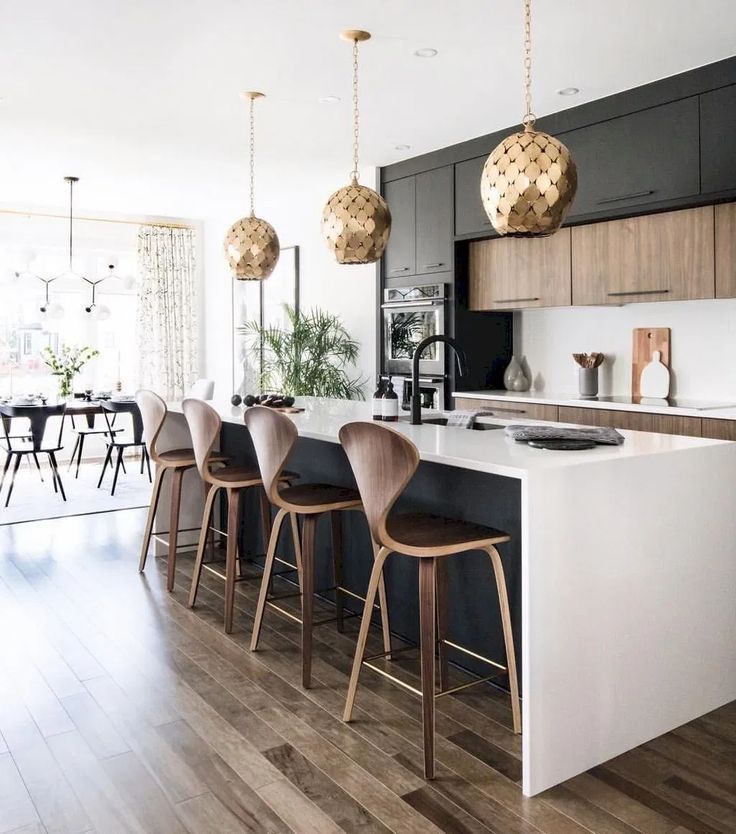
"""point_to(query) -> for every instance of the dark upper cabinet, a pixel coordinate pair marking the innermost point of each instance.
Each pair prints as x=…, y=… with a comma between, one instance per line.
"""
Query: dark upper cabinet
x=400, y=257
x=470, y=216
x=421, y=239
x=645, y=157
x=717, y=155
x=434, y=210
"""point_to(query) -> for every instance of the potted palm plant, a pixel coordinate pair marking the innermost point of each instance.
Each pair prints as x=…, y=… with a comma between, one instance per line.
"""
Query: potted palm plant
x=309, y=357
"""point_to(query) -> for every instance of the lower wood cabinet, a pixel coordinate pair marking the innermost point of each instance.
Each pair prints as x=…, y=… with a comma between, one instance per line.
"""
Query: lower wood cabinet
x=658, y=257
x=726, y=250
x=719, y=429
x=525, y=411
x=519, y=273
x=633, y=420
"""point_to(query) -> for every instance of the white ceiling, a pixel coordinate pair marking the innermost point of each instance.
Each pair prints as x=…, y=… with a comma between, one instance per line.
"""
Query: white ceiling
x=165, y=74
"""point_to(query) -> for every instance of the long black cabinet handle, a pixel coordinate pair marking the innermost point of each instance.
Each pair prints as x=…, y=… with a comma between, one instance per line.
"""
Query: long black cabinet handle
x=626, y=197
x=399, y=269
x=432, y=266
x=512, y=300
x=638, y=292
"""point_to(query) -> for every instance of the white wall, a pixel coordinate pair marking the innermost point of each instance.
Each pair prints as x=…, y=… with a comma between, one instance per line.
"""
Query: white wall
x=213, y=191
x=703, y=345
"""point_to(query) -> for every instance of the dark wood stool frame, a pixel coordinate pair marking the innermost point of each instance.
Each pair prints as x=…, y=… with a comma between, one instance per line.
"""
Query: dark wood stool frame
x=383, y=462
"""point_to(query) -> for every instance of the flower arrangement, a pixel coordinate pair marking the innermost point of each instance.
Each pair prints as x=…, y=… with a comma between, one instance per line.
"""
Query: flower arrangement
x=67, y=363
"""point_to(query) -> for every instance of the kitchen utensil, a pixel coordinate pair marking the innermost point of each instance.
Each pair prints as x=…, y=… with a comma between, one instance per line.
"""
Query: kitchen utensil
x=646, y=341
x=655, y=379
x=588, y=360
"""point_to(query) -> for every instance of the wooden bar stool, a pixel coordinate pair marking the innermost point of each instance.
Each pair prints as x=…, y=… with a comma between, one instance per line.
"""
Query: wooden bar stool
x=384, y=461
x=204, y=425
x=153, y=413
x=274, y=436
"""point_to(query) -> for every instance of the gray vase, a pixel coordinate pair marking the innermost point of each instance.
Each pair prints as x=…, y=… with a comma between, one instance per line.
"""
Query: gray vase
x=513, y=369
x=588, y=382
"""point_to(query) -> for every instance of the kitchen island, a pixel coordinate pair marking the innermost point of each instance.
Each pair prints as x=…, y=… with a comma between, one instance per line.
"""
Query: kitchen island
x=621, y=570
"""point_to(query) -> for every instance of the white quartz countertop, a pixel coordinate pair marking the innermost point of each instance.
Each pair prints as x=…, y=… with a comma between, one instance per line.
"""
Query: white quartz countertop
x=715, y=412
x=484, y=451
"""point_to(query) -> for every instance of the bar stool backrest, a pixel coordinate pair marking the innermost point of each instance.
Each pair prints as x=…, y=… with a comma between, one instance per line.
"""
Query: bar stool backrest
x=110, y=408
x=38, y=416
x=383, y=462
x=153, y=413
x=273, y=436
x=204, y=426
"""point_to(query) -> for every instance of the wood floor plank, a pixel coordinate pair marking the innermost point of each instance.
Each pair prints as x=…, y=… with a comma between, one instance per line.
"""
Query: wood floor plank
x=590, y=815
x=487, y=752
x=297, y=810
x=448, y=818
x=16, y=806
x=94, y=726
x=207, y=813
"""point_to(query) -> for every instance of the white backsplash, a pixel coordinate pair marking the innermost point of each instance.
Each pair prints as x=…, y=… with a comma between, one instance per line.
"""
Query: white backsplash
x=703, y=345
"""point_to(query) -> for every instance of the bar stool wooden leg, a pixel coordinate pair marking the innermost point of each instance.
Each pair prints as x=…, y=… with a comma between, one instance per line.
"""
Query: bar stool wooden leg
x=508, y=635
x=233, y=506
x=383, y=603
x=336, y=532
x=365, y=623
x=297, y=539
x=160, y=470
x=210, y=493
x=308, y=540
x=440, y=574
x=266, y=580
x=427, y=615
x=173, y=527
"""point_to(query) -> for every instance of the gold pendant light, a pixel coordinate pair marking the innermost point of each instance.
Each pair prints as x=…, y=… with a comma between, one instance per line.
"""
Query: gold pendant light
x=356, y=222
x=251, y=243
x=529, y=180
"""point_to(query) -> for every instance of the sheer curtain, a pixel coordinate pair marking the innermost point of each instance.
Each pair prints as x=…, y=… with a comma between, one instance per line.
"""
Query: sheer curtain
x=167, y=310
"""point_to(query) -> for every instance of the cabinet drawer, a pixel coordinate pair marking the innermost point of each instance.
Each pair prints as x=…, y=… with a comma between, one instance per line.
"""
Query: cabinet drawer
x=645, y=157
x=520, y=273
x=522, y=411
x=634, y=420
x=658, y=257
x=719, y=429
x=470, y=216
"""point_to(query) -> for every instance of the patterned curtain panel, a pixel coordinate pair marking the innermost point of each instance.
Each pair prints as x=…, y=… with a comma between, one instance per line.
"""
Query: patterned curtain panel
x=167, y=310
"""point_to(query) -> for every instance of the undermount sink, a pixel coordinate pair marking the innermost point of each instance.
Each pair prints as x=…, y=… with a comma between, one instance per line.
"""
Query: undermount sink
x=442, y=421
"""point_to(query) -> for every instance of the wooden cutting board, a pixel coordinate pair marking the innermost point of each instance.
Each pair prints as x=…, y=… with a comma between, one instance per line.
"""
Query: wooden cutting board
x=646, y=341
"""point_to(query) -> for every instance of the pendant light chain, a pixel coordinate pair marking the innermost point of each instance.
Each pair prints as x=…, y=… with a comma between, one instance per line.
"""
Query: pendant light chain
x=529, y=117
x=356, y=113
x=252, y=159
x=71, y=221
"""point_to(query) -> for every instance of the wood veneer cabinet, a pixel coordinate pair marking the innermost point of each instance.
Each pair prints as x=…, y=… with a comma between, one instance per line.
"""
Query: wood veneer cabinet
x=658, y=257
x=526, y=411
x=516, y=273
x=725, y=219
x=634, y=420
x=719, y=429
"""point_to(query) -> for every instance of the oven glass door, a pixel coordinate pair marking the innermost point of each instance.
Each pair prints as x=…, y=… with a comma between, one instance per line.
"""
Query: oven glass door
x=405, y=325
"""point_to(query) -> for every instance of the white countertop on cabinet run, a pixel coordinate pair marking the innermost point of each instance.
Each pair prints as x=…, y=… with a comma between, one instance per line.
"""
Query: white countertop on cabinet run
x=715, y=412
x=484, y=451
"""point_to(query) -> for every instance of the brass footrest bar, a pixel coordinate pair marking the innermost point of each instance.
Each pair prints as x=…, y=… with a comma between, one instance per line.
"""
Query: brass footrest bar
x=346, y=615
x=393, y=678
x=462, y=686
x=391, y=653
x=474, y=654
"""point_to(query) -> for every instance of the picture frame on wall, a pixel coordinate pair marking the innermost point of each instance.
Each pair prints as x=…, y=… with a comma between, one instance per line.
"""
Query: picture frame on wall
x=263, y=302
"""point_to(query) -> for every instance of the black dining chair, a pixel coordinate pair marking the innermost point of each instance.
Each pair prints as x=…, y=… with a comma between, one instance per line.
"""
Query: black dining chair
x=16, y=448
x=83, y=430
x=117, y=444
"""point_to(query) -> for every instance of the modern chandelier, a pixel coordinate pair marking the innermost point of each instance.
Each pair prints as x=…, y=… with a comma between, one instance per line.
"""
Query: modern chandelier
x=356, y=222
x=251, y=243
x=529, y=180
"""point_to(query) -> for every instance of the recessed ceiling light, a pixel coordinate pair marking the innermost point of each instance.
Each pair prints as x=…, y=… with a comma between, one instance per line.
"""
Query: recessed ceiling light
x=425, y=52
x=328, y=99
x=568, y=91
x=402, y=147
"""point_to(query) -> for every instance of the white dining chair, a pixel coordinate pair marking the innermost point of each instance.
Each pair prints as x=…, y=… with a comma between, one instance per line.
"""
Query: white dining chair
x=203, y=389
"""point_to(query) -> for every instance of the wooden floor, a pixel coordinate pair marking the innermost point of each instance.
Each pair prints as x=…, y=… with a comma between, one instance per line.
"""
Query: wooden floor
x=121, y=710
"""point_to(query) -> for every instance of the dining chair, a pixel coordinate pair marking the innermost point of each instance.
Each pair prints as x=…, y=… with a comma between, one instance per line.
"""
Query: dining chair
x=117, y=444
x=84, y=430
x=37, y=416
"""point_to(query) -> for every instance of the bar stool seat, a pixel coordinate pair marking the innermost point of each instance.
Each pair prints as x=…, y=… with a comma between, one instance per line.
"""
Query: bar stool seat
x=421, y=534
x=317, y=495
x=179, y=456
x=383, y=462
x=240, y=477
